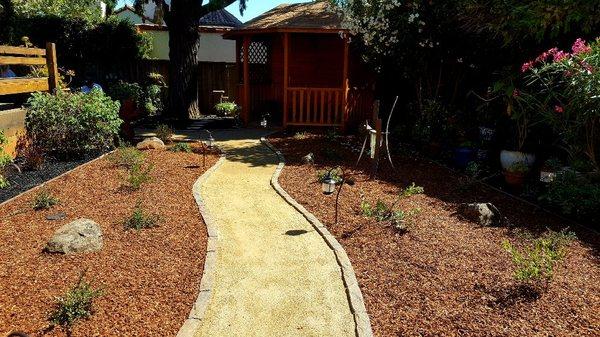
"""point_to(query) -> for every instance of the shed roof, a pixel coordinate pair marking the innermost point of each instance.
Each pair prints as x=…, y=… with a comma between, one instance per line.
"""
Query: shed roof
x=310, y=15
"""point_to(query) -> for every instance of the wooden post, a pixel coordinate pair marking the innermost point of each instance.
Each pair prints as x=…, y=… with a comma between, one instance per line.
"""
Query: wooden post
x=286, y=79
x=378, y=134
x=52, y=64
x=345, y=82
x=246, y=60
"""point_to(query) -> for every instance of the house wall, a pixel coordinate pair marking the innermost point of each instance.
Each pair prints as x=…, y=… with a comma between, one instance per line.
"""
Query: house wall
x=213, y=48
x=130, y=16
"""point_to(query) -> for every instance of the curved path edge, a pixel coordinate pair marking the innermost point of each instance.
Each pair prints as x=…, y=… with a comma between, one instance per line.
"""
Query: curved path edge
x=192, y=323
x=355, y=298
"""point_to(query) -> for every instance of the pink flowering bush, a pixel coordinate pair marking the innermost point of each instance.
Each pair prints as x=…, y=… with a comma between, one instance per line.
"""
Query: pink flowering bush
x=569, y=84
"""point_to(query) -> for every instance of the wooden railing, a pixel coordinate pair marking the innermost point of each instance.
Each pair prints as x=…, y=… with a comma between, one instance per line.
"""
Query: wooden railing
x=11, y=56
x=315, y=106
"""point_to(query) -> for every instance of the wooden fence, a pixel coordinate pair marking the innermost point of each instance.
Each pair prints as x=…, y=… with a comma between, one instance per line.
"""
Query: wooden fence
x=16, y=56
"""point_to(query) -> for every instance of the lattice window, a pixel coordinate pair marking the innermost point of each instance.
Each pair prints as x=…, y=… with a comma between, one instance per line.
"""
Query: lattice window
x=258, y=51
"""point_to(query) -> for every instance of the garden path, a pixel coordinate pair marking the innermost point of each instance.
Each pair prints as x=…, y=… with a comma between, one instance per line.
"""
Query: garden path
x=275, y=275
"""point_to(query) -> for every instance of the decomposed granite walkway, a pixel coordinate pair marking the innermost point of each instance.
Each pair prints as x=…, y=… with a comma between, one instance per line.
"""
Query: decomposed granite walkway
x=274, y=274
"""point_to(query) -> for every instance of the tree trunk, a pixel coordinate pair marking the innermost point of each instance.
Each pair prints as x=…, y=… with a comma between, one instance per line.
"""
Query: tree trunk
x=184, y=43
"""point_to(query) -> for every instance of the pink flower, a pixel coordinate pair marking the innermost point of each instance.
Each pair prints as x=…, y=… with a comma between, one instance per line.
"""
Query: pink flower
x=559, y=109
x=516, y=93
x=527, y=66
x=580, y=47
x=560, y=55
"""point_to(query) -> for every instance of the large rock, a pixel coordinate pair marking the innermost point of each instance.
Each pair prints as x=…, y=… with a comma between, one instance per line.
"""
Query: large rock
x=152, y=143
x=79, y=236
x=485, y=214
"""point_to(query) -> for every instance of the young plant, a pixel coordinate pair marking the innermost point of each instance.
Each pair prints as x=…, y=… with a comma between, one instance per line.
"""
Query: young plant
x=140, y=219
x=76, y=304
x=227, y=109
x=335, y=174
x=402, y=221
x=181, y=147
x=535, y=263
x=44, y=200
x=5, y=160
x=411, y=190
x=139, y=174
x=164, y=133
x=127, y=157
x=301, y=135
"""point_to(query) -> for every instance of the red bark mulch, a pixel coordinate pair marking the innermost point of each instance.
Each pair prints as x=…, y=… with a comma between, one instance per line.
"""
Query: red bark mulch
x=150, y=278
x=445, y=276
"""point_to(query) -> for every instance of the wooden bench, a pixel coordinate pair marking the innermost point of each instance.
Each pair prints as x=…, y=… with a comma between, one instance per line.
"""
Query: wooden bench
x=29, y=57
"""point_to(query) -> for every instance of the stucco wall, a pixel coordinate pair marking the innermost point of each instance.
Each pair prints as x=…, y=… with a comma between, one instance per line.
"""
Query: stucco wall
x=12, y=122
x=130, y=16
x=213, y=48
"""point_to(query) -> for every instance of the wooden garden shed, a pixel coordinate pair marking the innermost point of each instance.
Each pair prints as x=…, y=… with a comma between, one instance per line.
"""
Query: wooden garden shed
x=300, y=69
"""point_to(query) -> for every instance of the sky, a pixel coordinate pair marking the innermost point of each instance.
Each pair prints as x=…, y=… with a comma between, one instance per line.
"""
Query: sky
x=255, y=7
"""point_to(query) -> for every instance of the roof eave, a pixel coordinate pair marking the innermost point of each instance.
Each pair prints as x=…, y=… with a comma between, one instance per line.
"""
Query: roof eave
x=236, y=33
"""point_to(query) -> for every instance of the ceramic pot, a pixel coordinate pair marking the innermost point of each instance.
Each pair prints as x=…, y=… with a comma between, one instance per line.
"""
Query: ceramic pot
x=463, y=156
x=509, y=158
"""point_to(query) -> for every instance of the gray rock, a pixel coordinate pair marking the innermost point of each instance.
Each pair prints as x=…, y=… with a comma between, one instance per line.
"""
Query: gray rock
x=309, y=159
x=152, y=143
x=79, y=236
x=485, y=214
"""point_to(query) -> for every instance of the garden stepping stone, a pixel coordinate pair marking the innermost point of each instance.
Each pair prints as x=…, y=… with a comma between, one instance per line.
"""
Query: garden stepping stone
x=79, y=236
x=485, y=214
x=152, y=143
x=56, y=216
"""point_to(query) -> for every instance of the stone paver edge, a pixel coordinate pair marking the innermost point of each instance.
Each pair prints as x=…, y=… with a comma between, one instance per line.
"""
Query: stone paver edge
x=355, y=298
x=192, y=323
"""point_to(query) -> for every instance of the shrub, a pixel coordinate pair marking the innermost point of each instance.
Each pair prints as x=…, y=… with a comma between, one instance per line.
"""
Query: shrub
x=127, y=157
x=122, y=91
x=44, y=200
x=139, y=219
x=181, y=147
x=400, y=220
x=411, y=190
x=76, y=304
x=164, y=133
x=139, y=174
x=227, y=109
x=574, y=195
x=535, y=262
x=70, y=124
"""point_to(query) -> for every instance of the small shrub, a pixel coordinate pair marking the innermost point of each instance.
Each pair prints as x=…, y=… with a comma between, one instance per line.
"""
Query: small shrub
x=164, y=133
x=72, y=124
x=574, y=195
x=139, y=219
x=44, y=200
x=76, y=304
x=182, y=147
x=127, y=157
x=227, y=109
x=402, y=221
x=535, y=263
x=411, y=190
x=301, y=135
x=139, y=174
x=122, y=91
x=336, y=175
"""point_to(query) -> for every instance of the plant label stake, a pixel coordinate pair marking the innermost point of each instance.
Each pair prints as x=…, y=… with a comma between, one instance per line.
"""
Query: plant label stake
x=377, y=139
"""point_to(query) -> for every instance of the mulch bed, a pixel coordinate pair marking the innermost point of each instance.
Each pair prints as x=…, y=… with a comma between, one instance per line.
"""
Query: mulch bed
x=150, y=278
x=445, y=276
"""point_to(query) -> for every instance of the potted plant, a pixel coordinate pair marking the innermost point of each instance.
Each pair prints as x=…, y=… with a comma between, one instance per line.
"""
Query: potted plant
x=515, y=174
x=464, y=153
x=550, y=169
x=129, y=94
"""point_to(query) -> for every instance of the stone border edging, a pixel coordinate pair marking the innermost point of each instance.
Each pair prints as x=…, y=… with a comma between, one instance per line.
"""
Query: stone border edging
x=57, y=177
x=355, y=298
x=192, y=323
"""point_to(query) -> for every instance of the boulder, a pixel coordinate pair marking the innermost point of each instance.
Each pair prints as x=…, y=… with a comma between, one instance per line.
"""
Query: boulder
x=79, y=236
x=485, y=214
x=309, y=159
x=152, y=143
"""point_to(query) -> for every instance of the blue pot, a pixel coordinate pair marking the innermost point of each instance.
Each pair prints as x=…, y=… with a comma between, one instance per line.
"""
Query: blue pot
x=463, y=156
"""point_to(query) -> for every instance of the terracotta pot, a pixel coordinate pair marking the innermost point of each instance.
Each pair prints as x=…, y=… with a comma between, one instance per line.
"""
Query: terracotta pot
x=515, y=179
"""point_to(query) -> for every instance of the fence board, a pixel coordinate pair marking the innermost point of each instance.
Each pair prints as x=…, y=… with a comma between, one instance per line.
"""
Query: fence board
x=23, y=85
